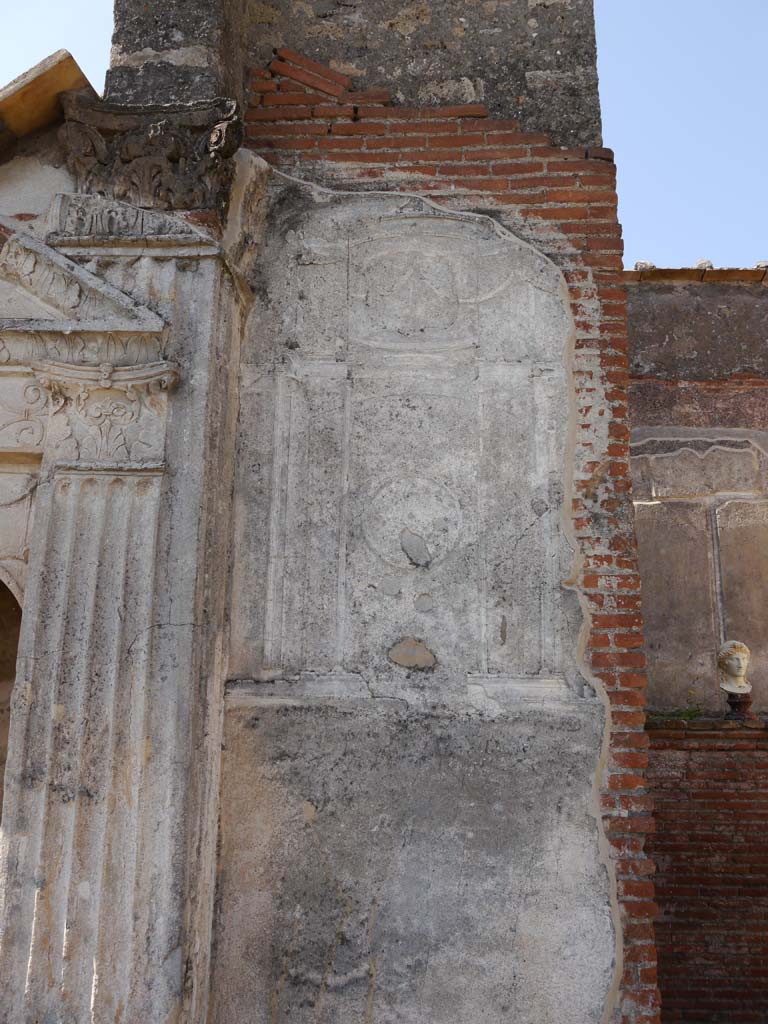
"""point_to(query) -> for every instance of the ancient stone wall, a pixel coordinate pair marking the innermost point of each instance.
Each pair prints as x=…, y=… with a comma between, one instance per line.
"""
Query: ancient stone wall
x=709, y=780
x=698, y=411
x=399, y=625
x=311, y=125
x=353, y=582
x=698, y=348
x=176, y=52
x=531, y=59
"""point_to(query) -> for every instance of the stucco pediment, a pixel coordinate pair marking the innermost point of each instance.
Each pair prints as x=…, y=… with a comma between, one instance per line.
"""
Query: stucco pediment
x=43, y=291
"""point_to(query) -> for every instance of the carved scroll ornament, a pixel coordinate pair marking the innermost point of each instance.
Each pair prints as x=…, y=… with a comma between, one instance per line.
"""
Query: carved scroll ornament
x=22, y=415
x=107, y=413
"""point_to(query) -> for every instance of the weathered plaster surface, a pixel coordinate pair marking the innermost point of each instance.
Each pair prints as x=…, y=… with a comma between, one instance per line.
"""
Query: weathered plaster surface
x=697, y=332
x=33, y=175
x=28, y=184
x=701, y=511
x=700, y=480
x=407, y=827
x=532, y=60
x=384, y=864
x=403, y=423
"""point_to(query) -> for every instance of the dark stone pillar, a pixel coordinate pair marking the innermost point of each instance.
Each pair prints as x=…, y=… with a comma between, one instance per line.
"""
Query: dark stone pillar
x=175, y=51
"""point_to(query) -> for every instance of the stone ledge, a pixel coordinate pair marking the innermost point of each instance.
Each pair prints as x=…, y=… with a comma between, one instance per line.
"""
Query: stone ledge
x=712, y=732
x=697, y=275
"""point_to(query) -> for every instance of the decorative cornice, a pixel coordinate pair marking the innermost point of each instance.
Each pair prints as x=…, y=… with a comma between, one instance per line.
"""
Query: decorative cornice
x=82, y=318
x=23, y=347
x=697, y=275
x=167, y=157
x=67, y=379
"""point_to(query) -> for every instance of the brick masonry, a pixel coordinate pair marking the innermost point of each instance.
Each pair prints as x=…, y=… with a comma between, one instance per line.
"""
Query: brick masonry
x=307, y=120
x=709, y=780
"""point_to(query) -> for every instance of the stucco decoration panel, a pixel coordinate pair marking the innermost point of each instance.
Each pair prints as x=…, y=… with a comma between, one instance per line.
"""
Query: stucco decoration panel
x=23, y=427
x=700, y=513
x=405, y=421
x=406, y=832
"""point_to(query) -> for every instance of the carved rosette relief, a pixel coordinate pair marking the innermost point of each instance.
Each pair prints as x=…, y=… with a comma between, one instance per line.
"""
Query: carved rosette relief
x=412, y=522
x=107, y=413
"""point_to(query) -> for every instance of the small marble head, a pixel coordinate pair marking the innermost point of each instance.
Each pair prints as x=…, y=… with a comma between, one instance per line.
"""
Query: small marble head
x=732, y=664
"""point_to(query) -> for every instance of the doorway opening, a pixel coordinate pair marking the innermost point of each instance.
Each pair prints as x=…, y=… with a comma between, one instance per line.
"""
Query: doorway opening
x=10, y=628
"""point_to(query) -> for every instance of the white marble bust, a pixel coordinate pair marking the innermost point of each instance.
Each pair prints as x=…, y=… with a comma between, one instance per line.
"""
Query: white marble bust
x=732, y=663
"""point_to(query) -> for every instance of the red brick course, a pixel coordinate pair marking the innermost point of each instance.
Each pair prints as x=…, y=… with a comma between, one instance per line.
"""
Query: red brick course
x=709, y=780
x=564, y=203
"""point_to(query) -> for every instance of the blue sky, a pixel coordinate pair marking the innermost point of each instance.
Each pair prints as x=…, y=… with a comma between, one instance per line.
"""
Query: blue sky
x=683, y=90
x=683, y=86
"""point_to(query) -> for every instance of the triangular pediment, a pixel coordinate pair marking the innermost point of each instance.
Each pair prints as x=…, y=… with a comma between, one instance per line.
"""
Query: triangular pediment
x=43, y=290
x=17, y=302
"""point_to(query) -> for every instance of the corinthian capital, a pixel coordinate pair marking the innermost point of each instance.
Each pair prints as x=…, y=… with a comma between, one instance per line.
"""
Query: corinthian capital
x=107, y=414
x=174, y=157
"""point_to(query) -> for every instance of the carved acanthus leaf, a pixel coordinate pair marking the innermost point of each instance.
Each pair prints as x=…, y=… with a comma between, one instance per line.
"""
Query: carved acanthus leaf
x=171, y=158
x=88, y=348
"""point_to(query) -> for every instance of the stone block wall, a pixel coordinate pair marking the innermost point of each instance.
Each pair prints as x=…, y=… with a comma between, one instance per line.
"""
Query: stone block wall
x=533, y=58
x=179, y=51
x=709, y=779
x=308, y=121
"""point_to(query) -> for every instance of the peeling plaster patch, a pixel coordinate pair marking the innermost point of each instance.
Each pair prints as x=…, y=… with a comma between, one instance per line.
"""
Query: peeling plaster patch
x=412, y=653
x=409, y=19
x=346, y=69
x=262, y=14
x=391, y=586
x=458, y=90
x=186, y=56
